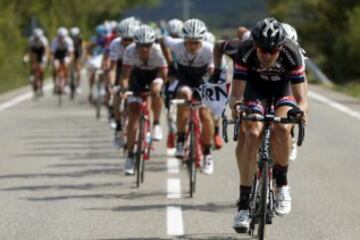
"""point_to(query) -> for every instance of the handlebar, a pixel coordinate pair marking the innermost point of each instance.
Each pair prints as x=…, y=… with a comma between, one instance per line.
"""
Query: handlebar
x=267, y=119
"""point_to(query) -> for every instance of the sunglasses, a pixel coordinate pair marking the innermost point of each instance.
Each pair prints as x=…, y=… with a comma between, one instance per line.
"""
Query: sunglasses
x=270, y=51
x=144, y=45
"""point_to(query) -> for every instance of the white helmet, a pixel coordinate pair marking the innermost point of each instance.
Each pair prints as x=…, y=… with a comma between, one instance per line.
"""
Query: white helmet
x=145, y=34
x=38, y=32
x=62, y=32
x=290, y=32
x=209, y=37
x=194, y=28
x=75, y=31
x=175, y=26
x=127, y=27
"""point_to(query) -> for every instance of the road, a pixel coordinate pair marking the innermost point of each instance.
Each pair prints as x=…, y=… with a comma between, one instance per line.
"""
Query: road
x=60, y=178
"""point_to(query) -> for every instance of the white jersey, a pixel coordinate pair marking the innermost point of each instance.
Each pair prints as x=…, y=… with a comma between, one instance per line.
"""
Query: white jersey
x=116, y=49
x=42, y=42
x=204, y=57
x=56, y=45
x=156, y=60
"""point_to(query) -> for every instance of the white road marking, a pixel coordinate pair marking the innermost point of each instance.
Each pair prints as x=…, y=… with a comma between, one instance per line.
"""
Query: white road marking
x=335, y=105
x=173, y=165
x=175, y=226
x=173, y=188
x=22, y=98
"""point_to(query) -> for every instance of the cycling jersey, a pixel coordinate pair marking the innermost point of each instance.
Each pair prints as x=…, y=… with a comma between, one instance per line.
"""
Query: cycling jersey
x=116, y=54
x=264, y=82
x=38, y=47
x=143, y=72
x=62, y=49
x=191, y=67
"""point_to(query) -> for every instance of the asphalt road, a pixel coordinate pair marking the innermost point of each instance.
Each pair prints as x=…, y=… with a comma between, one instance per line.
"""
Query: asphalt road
x=60, y=178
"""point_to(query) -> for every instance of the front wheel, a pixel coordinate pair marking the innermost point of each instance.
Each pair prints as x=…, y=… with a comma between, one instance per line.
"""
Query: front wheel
x=191, y=160
x=263, y=200
x=139, y=153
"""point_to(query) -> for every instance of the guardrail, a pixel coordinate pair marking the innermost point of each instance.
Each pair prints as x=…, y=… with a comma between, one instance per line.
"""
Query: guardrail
x=314, y=69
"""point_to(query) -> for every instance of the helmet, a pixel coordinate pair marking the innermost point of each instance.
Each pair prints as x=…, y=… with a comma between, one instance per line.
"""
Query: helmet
x=290, y=32
x=175, y=26
x=268, y=33
x=38, y=32
x=194, y=28
x=144, y=34
x=74, y=31
x=101, y=30
x=126, y=28
x=209, y=37
x=62, y=32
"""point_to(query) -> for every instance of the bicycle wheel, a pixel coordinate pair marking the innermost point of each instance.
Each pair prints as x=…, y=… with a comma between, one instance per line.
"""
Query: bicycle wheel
x=59, y=93
x=139, y=151
x=146, y=150
x=98, y=99
x=263, y=200
x=72, y=84
x=191, y=161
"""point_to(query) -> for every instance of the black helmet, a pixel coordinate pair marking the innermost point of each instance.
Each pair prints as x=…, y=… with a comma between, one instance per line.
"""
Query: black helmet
x=269, y=33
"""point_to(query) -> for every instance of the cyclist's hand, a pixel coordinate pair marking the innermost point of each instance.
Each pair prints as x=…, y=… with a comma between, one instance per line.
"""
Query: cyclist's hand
x=172, y=70
x=297, y=114
x=215, y=77
x=238, y=109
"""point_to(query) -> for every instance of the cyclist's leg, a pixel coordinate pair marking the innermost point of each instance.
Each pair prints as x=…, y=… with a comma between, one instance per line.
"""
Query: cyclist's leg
x=156, y=99
x=183, y=114
x=91, y=73
x=206, y=139
x=56, y=67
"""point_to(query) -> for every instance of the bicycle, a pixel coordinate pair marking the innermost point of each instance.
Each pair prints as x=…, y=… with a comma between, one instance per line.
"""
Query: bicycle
x=143, y=141
x=73, y=83
x=61, y=75
x=193, y=153
x=262, y=200
x=100, y=92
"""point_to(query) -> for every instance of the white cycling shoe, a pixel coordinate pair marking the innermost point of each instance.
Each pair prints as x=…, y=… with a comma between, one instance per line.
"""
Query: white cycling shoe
x=207, y=165
x=241, y=223
x=283, y=201
x=157, y=133
x=129, y=166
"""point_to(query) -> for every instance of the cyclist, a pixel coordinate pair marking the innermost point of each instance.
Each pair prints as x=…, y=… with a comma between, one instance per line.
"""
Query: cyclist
x=194, y=60
x=95, y=49
x=217, y=139
x=62, y=51
x=38, y=51
x=267, y=65
x=242, y=33
x=144, y=69
x=291, y=34
x=174, y=29
x=77, y=40
x=126, y=30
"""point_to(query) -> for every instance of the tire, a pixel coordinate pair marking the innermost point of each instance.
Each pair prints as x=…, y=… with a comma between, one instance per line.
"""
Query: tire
x=139, y=152
x=191, y=161
x=98, y=100
x=263, y=199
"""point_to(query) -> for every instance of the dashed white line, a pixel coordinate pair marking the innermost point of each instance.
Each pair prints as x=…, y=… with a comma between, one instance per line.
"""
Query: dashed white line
x=173, y=166
x=173, y=188
x=175, y=225
x=335, y=105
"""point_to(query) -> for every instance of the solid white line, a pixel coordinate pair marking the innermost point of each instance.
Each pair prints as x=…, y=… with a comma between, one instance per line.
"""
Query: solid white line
x=333, y=104
x=22, y=98
x=173, y=188
x=173, y=165
x=175, y=226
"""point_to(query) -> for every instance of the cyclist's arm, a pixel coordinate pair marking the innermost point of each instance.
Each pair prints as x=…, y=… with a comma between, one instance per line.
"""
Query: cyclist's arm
x=237, y=91
x=163, y=73
x=218, y=53
x=166, y=51
x=300, y=94
x=125, y=75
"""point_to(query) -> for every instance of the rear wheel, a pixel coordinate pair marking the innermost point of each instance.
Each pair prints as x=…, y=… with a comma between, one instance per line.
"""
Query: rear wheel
x=98, y=99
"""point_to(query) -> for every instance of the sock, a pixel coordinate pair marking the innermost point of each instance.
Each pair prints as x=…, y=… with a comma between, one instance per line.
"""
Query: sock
x=280, y=175
x=206, y=149
x=181, y=137
x=244, y=199
x=118, y=126
x=156, y=122
x=216, y=130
